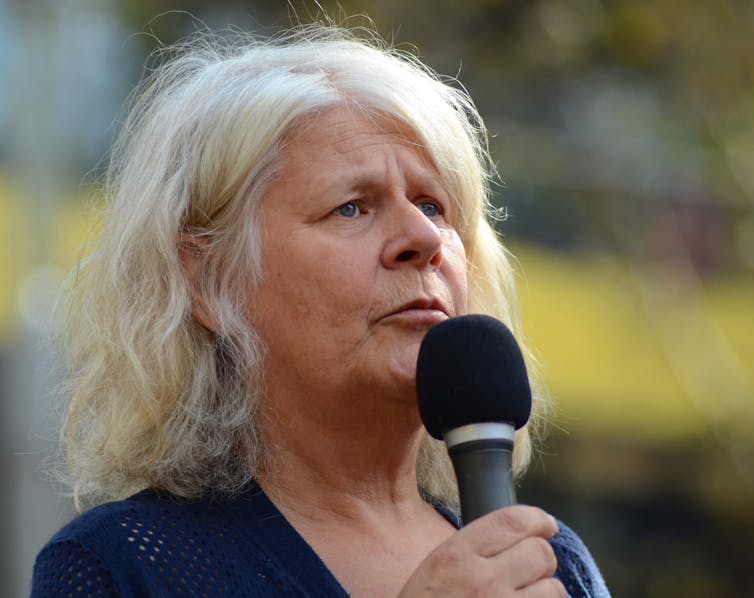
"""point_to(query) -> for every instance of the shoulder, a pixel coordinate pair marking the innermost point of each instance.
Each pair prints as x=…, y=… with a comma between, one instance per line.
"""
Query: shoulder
x=151, y=545
x=140, y=520
x=102, y=546
x=576, y=567
x=79, y=557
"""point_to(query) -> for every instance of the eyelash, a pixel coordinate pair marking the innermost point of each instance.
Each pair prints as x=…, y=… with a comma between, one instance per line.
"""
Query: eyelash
x=434, y=204
x=355, y=204
x=338, y=211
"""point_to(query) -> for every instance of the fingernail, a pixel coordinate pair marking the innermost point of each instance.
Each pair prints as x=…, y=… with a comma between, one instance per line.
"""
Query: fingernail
x=554, y=522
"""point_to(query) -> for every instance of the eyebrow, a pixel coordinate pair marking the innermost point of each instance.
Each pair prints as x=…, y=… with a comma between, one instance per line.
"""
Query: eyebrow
x=432, y=185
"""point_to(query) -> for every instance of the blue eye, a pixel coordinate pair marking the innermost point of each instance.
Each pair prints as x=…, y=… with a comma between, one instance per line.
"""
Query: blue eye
x=429, y=209
x=348, y=210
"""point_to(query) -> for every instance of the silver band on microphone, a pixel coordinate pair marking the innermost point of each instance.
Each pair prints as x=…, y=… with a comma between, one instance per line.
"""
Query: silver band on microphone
x=483, y=431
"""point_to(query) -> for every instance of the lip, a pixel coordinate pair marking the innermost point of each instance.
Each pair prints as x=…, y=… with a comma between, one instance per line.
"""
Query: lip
x=421, y=311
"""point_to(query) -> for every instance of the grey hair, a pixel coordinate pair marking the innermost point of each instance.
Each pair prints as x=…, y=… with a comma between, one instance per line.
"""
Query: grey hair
x=155, y=399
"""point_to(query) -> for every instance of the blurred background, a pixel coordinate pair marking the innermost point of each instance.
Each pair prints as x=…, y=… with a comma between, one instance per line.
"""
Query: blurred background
x=624, y=134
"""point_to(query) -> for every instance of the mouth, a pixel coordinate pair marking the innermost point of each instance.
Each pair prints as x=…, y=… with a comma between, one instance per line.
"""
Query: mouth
x=420, y=313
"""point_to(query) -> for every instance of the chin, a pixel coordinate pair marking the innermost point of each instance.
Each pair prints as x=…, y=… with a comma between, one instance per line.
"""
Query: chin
x=404, y=363
x=403, y=382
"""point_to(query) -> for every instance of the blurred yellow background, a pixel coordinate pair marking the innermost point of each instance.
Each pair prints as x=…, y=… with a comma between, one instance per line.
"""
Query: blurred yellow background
x=625, y=348
x=624, y=134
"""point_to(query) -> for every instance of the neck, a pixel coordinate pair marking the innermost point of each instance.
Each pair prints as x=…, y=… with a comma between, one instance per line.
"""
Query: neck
x=339, y=463
x=345, y=480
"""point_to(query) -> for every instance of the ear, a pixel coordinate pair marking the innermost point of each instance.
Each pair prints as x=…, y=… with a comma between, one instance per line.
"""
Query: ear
x=192, y=251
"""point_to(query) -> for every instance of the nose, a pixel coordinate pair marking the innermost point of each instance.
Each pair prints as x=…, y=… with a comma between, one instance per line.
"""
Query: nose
x=413, y=239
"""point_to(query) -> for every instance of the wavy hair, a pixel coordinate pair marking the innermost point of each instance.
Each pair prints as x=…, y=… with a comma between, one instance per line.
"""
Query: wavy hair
x=155, y=399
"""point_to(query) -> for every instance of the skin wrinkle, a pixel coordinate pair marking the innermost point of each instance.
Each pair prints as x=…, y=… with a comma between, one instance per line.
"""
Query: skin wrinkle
x=310, y=376
x=241, y=155
x=355, y=359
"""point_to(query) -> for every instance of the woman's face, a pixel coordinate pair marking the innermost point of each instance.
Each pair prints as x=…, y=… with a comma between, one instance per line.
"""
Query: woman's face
x=359, y=260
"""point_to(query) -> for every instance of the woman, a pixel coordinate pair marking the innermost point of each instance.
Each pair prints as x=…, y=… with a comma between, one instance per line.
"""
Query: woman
x=286, y=221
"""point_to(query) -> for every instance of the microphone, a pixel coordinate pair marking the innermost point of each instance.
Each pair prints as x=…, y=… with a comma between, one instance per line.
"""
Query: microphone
x=473, y=392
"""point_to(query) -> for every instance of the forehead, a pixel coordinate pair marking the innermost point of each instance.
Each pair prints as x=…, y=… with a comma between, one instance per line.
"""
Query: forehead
x=344, y=148
x=350, y=133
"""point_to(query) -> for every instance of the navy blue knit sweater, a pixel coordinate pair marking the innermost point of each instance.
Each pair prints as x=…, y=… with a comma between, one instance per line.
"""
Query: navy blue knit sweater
x=152, y=545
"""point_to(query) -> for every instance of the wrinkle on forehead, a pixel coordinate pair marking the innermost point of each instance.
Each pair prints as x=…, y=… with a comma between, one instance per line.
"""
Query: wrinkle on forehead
x=350, y=120
x=384, y=124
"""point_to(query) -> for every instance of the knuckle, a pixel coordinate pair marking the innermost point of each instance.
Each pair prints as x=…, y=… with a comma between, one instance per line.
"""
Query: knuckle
x=554, y=587
x=513, y=519
x=524, y=520
x=485, y=582
x=545, y=551
x=448, y=556
x=540, y=554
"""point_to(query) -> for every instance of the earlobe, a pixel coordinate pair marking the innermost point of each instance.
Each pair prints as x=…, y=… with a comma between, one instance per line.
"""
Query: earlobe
x=192, y=252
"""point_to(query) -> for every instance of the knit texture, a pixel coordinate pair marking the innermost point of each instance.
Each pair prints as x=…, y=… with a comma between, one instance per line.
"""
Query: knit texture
x=156, y=545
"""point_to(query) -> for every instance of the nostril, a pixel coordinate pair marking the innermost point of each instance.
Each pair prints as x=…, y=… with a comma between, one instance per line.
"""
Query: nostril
x=406, y=256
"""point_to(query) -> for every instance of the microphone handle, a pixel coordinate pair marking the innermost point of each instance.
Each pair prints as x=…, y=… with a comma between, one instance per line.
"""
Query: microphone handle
x=484, y=471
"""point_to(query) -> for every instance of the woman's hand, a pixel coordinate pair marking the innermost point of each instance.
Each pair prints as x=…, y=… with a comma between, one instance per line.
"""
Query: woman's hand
x=504, y=553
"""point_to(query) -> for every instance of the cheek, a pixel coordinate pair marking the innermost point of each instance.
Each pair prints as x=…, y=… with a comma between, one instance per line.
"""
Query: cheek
x=318, y=286
x=455, y=270
x=341, y=279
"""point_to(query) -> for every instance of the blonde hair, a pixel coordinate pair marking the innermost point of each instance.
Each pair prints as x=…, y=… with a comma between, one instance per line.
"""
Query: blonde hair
x=158, y=401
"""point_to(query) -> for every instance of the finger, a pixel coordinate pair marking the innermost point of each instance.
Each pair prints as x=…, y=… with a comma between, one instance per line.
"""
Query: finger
x=526, y=562
x=549, y=587
x=501, y=529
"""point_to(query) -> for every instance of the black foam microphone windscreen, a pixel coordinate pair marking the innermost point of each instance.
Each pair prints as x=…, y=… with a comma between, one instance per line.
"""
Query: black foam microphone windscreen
x=473, y=393
x=470, y=370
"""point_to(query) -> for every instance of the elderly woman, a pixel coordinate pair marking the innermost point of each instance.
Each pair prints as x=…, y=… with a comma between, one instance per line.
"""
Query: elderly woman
x=286, y=221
